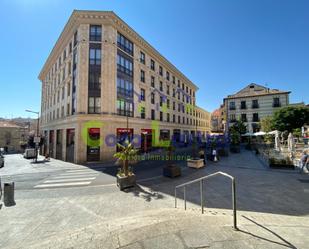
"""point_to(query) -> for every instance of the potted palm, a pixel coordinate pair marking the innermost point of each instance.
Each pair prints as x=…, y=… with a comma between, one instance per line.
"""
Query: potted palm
x=125, y=176
x=171, y=170
x=195, y=161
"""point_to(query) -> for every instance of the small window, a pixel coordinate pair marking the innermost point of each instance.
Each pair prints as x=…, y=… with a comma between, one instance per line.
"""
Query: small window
x=142, y=76
x=160, y=70
x=152, y=81
x=142, y=57
x=152, y=65
x=143, y=112
x=153, y=114
x=142, y=94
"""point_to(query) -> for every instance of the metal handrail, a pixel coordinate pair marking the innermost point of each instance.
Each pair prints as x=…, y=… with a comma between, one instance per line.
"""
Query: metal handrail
x=201, y=179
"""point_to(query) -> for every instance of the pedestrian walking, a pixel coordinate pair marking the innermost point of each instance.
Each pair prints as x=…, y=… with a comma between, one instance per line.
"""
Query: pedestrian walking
x=304, y=162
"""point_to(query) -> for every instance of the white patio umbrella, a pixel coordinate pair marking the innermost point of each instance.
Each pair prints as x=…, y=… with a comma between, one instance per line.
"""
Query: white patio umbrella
x=260, y=133
x=272, y=132
x=248, y=134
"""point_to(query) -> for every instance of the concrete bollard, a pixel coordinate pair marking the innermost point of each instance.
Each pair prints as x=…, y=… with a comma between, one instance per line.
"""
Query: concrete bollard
x=8, y=194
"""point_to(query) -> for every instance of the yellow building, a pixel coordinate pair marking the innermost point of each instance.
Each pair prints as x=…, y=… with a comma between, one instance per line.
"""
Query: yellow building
x=102, y=81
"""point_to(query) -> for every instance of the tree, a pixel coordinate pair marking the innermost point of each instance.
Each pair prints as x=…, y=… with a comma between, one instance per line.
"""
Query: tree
x=239, y=127
x=290, y=118
x=267, y=124
x=236, y=130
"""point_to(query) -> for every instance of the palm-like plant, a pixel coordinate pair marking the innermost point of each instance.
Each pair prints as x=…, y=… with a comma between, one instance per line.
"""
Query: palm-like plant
x=126, y=155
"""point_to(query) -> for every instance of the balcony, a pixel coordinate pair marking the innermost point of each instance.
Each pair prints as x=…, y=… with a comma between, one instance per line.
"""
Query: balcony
x=243, y=107
x=255, y=106
x=255, y=120
x=232, y=108
x=232, y=120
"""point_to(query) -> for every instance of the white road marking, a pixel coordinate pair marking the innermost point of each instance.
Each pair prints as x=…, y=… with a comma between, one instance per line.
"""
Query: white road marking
x=79, y=170
x=79, y=173
x=71, y=180
x=74, y=176
x=61, y=184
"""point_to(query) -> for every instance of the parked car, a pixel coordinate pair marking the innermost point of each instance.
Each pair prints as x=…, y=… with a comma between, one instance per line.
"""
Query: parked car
x=1, y=161
x=30, y=154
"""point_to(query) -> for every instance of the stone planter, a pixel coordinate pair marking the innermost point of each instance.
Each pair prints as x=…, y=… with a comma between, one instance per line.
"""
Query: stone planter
x=172, y=171
x=124, y=182
x=195, y=163
x=281, y=166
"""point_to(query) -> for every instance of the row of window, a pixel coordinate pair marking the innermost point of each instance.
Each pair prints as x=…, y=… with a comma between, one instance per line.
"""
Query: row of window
x=254, y=104
x=56, y=114
x=243, y=117
x=124, y=65
x=167, y=74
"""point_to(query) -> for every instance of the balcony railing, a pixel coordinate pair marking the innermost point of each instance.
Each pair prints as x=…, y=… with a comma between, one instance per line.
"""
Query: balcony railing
x=243, y=107
x=255, y=106
x=255, y=120
x=232, y=108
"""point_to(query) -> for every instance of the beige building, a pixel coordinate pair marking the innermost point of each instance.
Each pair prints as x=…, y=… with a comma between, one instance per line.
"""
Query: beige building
x=102, y=82
x=253, y=103
x=217, y=120
x=11, y=136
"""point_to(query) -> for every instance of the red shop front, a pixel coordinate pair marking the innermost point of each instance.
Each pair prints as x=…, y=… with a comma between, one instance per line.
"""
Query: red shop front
x=146, y=139
x=123, y=134
x=93, y=144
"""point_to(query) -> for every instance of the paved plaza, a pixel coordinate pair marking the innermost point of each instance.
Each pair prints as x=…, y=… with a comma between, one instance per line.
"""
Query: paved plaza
x=63, y=205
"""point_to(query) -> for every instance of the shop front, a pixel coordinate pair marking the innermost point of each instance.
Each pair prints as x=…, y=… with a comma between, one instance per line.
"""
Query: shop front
x=59, y=144
x=146, y=140
x=70, y=144
x=176, y=135
x=93, y=144
x=165, y=135
x=123, y=134
x=51, y=143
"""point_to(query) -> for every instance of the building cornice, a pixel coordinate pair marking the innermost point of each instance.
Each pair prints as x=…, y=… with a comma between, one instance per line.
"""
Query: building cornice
x=255, y=96
x=108, y=18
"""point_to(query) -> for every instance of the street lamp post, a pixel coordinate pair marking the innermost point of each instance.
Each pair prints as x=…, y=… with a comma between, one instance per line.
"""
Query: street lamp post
x=37, y=133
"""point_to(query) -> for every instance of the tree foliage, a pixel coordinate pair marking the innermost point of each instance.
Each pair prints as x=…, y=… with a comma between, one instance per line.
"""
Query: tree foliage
x=267, y=124
x=236, y=130
x=290, y=118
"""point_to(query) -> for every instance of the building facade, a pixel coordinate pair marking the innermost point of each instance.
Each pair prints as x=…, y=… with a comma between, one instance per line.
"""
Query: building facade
x=253, y=103
x=12, y=136
x=102, y=82
x=217, y=120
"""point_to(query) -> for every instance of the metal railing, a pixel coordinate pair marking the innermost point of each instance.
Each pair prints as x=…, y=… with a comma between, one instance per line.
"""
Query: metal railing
x=201, y=181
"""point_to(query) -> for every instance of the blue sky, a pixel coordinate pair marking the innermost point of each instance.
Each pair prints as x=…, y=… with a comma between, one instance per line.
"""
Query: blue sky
x=219, y=45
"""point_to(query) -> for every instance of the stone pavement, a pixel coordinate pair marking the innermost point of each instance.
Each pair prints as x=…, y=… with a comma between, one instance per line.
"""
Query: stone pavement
x=273, y=204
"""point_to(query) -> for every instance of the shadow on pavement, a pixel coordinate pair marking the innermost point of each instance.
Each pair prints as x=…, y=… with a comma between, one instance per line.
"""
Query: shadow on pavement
x=285, y=242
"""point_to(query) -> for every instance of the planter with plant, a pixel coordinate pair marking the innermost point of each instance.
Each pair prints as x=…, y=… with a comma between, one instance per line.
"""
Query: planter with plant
x=195, y=161
x=125, y=176
x=235, y=144
x=236, y=130
x=171, y=169
x=280, y=163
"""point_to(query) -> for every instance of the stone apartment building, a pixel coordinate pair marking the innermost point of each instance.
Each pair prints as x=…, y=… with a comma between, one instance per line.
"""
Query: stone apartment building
x=12, y=135
x=102, y=81
x=253, y=103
